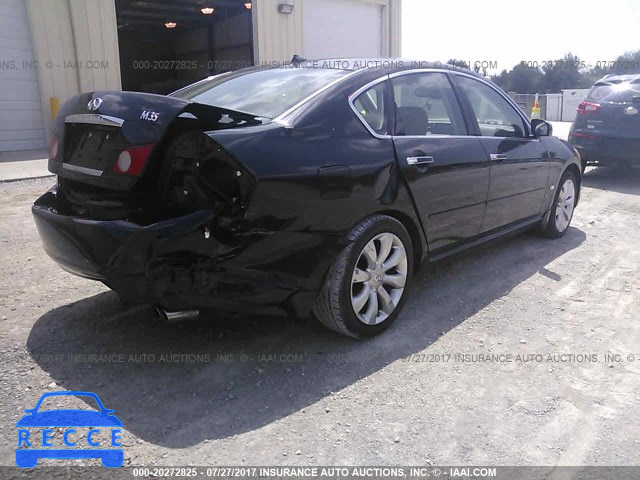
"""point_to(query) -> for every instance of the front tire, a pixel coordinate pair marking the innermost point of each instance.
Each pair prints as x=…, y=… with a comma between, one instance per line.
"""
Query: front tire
x=563, y=206
x=366, y=287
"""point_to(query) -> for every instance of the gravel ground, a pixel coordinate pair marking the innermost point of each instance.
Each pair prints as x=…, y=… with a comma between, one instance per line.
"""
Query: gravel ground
x=251, y=391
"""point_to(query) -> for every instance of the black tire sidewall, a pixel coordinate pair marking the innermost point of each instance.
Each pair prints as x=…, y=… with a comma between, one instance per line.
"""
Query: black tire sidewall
x=353, y=324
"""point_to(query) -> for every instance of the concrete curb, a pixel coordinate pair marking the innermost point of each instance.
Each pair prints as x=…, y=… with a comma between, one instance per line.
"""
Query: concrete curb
x=15, y=171
x=11, y=180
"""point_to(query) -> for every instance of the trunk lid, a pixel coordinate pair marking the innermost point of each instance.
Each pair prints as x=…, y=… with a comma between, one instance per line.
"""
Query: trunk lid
x=176, y=164
x=93, y=129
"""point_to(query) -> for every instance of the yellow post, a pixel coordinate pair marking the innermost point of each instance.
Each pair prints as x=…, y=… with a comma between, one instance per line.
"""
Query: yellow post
x=54, y=106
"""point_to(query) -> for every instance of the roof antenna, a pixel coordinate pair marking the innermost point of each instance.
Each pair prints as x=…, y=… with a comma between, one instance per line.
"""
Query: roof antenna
x=297, y=60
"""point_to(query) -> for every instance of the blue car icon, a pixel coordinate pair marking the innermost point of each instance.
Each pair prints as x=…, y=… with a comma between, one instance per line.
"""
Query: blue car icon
x=68, y=419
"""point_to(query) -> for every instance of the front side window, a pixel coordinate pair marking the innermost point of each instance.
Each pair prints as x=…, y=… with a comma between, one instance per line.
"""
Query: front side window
x=371, y=107
x=426, y=105
x=265, y=93
x=496, y=117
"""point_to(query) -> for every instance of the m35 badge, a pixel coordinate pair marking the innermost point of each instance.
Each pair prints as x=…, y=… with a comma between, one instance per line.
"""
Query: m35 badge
x=149, y=116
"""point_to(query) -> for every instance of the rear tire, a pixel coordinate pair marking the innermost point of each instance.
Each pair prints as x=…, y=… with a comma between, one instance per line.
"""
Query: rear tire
x=366, y=287
x=563, y=206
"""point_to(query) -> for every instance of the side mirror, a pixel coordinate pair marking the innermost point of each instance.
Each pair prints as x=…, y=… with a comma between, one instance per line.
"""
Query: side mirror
x=541, y=128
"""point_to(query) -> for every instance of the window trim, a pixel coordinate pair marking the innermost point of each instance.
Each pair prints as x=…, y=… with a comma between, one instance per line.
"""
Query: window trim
x=352, y=98
x=463, y=104
x=388, y=106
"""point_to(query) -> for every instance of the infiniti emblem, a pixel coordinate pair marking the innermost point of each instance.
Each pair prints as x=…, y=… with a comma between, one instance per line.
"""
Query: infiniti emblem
x=94, y=104
x=378, y=278
x=631, y=111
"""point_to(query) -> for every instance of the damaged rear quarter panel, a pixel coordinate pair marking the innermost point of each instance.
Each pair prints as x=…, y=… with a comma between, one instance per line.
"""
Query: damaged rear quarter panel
x=315, y=180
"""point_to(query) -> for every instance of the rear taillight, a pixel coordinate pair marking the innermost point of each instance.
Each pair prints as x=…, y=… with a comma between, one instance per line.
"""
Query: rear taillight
x=132, y=160
x=585, y=135
x=53, y=148
x=588, y=107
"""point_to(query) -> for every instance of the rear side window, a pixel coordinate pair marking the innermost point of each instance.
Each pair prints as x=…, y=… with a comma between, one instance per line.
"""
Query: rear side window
x=371, y=107
x=426, y=105
x=616, y=92
x=265, y=93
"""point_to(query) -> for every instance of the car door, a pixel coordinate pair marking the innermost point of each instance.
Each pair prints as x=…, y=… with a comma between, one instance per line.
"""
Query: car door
x=520, y=165
x=446, y=169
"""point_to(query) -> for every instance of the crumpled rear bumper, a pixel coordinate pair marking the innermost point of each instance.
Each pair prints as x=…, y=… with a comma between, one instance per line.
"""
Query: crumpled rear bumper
x=173, y=264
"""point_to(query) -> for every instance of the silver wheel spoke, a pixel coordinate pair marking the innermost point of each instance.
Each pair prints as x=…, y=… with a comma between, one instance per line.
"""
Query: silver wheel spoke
x=396, y=257
x=370, y=254
x=396, y=281
x=386, y=243
x=386, y=301
x=360, y=276
x=371, y=314
x=360, y=301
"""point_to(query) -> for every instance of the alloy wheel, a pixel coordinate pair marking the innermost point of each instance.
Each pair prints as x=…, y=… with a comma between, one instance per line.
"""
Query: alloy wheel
x=379, y=279
x=565, y=205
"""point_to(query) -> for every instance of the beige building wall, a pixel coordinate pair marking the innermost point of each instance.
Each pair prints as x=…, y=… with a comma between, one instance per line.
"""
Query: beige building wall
x=277, y=37
x=76, y=45
x=76, y=42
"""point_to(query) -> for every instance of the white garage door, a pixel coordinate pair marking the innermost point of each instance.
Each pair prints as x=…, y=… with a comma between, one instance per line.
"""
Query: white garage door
x=21, y=121
x=342, y=28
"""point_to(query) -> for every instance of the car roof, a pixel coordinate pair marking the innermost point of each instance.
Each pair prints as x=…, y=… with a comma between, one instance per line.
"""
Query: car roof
x=388, y=63
x=618, y=78
x=357, y=65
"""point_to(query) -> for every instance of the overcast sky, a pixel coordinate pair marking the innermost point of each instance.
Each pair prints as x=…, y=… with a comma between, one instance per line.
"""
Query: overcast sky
x=507, y=32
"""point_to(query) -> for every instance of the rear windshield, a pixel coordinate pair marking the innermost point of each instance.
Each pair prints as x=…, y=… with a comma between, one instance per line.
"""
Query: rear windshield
x=616, y=91
x=263, y=93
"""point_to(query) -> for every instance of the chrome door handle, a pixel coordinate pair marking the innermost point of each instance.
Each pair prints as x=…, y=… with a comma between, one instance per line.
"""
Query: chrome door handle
x=420, y=160
x=498, y=156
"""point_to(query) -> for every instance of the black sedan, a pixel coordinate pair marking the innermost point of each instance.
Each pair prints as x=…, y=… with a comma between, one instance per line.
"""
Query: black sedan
x=310, y=187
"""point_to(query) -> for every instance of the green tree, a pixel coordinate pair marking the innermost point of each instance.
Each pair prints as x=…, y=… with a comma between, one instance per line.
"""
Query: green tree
x=626, y=63
x=501, y=79
x=563, y=73
x=591, y=76
x=523, y=78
